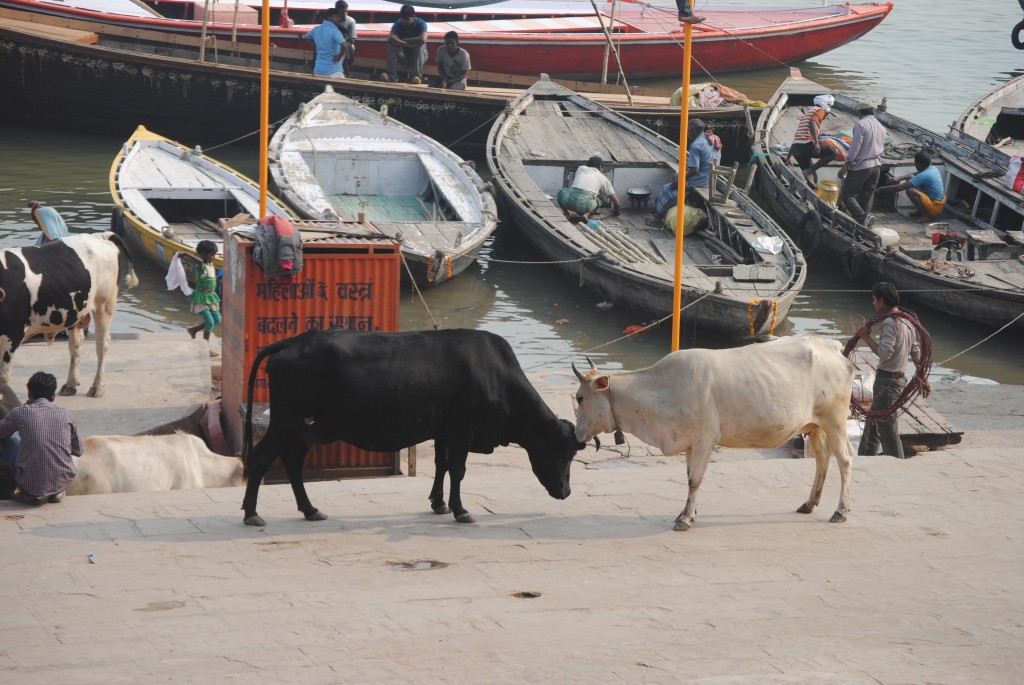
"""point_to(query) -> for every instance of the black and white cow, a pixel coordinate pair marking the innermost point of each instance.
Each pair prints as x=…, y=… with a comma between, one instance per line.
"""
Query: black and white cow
x=387, y=391
x=45, y=290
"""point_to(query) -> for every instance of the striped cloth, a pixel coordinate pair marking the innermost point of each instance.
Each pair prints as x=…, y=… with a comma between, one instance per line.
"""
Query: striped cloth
x=803, y=129
x=49, y=436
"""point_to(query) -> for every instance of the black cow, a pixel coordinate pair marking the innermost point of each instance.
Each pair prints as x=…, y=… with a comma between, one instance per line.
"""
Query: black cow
x=387, y=391
x=45, y=290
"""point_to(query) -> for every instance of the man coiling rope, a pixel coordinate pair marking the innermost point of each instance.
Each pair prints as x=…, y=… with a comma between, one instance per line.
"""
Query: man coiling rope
x=901, y=336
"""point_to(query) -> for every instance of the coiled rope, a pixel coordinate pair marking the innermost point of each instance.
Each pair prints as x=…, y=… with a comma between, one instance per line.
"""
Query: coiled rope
x=918, y=385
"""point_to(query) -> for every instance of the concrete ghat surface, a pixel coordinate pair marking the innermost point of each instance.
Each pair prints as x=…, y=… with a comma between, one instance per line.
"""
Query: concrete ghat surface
x=924, y=584
x=151, y=381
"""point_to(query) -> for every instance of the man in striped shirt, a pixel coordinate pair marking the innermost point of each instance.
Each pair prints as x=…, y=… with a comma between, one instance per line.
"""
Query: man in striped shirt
x=43, y=466
x=806, y=143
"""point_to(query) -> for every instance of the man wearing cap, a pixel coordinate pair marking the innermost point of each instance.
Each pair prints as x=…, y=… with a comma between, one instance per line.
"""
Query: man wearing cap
x=863, y=166
x=806, y=142
x=590, y=190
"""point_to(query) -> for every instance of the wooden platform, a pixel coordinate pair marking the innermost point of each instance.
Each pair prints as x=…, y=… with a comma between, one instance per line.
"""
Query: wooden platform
x=921, y=426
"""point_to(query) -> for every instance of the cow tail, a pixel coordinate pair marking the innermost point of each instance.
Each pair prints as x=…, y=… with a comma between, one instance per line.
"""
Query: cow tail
x=270, y=349
x=117, y=229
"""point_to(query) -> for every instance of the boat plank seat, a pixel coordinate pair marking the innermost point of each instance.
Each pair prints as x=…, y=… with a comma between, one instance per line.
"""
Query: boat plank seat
x=449, y=185
x=753, y=273
x=986, y=242
x=149, y=175
x=374, y=145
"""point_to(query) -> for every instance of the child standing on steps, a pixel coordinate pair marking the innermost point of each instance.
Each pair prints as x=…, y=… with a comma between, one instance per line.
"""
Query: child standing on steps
x=204, y=298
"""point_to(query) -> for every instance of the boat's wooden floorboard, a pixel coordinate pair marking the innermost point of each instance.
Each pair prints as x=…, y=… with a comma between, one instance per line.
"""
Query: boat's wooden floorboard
x=553, y=137
x=192, y=231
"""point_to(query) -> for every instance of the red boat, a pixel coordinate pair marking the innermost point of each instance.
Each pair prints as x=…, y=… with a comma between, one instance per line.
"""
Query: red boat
x=565, y=40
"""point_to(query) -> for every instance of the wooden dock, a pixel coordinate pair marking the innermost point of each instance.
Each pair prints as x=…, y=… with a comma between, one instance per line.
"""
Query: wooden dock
x=921, y=426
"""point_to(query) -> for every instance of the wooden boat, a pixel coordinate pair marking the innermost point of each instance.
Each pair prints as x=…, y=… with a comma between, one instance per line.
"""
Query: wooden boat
x=986, y=287
x=172, y=196
x=533, y=150
x=335, y=159
x=528, y=38
x=995, y=122
x=216, y=97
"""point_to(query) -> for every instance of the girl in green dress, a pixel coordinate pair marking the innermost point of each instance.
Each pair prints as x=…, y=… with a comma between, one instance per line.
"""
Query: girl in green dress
x=204, y=298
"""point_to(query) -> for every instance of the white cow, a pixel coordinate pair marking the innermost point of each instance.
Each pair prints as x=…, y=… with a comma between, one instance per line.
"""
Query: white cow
x=143, y=463
x=756, y=396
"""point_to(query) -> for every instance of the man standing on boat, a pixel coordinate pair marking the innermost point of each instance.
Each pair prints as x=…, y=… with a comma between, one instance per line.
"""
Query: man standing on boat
x=686, y=15
x=330, y=45
x=348, y=29
x=862, y=167
x=924, y=189
x=897, y=341
x=807, y=144
x=407, y=43
x=590, y=189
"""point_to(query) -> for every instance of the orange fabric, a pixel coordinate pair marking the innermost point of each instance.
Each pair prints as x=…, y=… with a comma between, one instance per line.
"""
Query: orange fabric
x=932, y=207
x=840, y=150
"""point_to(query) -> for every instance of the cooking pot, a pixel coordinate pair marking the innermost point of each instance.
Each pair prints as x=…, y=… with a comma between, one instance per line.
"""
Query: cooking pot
x=638, y=194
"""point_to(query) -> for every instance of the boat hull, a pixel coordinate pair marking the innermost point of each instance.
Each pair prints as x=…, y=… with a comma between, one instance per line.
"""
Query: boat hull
x=649, y=45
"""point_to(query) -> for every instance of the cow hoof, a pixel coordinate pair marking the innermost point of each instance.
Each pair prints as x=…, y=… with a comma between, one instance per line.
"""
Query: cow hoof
x=681, y=525
x=441, y=508
x=805, y=509
x=316, y=515
x=68, y=390
x=255, y=520
x=838, y=517
x=94, y=392
x=464, y=517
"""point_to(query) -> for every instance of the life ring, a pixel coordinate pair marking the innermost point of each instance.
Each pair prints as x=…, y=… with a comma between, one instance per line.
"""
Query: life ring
x=853, y=263
x=811, y=220
x=1015, y=36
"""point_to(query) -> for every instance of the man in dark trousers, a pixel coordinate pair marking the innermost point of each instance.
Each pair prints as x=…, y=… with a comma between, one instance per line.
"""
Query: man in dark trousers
x=407, y=43
x=43, y=467
x=897, y=341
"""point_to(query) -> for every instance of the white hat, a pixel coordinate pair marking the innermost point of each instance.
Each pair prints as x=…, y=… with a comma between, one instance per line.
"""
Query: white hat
x=825, y=102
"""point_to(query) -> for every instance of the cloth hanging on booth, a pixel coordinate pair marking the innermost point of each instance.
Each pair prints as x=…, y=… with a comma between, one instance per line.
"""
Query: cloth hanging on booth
x=278, y=249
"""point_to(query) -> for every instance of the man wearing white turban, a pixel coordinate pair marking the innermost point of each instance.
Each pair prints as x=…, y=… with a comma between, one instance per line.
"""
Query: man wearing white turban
x=806, y=143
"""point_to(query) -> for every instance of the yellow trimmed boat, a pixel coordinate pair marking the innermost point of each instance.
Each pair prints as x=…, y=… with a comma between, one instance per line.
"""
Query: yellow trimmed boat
x=172, y=196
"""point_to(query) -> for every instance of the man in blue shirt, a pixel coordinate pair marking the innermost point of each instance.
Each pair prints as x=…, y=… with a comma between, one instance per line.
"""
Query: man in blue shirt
x=330, y=45
x=924, y=189
x=699, y=157
x=407, y=43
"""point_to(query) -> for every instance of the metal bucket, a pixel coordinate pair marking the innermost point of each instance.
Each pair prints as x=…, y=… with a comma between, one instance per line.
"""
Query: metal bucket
x=829, y=192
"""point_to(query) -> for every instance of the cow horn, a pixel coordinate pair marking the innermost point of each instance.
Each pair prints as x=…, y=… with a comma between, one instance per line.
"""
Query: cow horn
x=597, y=443
x=3, y=294
x=592, y=364
x=577, y=372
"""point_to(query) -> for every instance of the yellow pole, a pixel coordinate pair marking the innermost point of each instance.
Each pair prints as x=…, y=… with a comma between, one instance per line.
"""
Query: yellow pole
x=684, y=114
x=264, y=106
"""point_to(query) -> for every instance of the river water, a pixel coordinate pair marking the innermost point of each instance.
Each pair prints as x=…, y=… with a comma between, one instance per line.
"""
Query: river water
x=929, y=58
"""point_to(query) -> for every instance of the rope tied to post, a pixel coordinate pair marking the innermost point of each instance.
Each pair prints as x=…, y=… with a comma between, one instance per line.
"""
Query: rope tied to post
x=918, y=384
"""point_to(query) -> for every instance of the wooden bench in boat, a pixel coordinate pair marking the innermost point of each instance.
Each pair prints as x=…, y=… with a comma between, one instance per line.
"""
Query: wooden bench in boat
x=985, y=242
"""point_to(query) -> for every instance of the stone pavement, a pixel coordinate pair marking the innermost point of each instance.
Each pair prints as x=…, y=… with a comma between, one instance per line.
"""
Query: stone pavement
x=153, y=381
x=923, y=584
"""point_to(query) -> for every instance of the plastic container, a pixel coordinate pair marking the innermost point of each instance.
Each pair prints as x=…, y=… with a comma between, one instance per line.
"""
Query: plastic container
x=829, y=192
x=890, y=238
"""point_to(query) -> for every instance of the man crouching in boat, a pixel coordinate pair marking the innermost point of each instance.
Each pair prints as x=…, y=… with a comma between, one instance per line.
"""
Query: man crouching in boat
x=590, y=190
x=924, y=189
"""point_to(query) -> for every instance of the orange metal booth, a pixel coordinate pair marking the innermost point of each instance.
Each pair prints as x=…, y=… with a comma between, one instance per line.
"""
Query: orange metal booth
x=348, y=282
